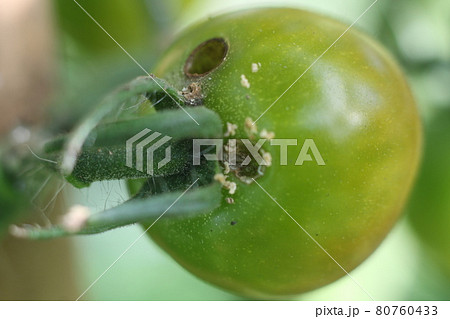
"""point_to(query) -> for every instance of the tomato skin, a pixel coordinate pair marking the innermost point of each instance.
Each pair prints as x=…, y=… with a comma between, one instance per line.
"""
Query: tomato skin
x=356, y=106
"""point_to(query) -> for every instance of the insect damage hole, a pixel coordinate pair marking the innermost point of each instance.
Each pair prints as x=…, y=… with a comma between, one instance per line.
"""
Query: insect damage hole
x=206, y=57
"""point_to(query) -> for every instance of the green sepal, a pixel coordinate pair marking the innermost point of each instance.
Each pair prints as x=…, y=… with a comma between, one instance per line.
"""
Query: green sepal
x=177, y=204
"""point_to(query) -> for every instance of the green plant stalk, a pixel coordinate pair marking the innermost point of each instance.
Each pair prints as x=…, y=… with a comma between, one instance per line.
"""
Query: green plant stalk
x=174, y=205
x=173, y=123
x=108, y=163
x=103, y=156
x=112, y=102
x=96, y=151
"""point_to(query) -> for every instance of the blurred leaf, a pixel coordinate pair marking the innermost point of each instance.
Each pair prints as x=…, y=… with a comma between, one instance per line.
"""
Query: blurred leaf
x=127, y=22
x=429, y=207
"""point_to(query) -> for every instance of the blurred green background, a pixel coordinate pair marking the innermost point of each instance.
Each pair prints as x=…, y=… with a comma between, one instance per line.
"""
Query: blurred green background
x=413, y=263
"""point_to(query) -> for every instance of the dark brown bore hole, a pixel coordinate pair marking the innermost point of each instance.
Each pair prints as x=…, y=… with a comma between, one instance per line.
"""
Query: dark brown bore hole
x=206, y=57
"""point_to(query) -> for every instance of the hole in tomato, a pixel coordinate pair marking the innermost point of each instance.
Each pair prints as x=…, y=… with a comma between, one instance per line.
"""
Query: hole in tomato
x=206, y=57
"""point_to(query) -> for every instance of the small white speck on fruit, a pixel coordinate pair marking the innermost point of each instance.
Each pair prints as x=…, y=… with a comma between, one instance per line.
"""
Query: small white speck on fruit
x=246, y=180
x=267, y=157
x=222, y=179
x=256, y=67
x=244, y=82
x=253, y=129
x=227, y=167
x=75, y=219
x=231, y=129
x=267, y=134
x=232, y=187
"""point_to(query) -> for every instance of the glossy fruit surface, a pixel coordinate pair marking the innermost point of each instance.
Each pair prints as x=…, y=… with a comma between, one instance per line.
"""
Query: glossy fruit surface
x=356, y=106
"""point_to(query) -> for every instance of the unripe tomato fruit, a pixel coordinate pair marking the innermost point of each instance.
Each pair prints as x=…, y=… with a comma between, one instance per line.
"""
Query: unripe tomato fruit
x=356, y=106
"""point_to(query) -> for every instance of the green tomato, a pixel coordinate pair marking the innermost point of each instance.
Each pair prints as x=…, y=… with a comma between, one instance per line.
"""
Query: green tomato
x=429, y=206
x=353, y=103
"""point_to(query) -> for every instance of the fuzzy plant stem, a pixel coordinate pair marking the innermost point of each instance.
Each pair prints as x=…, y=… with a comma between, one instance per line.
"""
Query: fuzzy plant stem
x=141, y=85
x=97, y=150
x=103, y=155
x=176, y=204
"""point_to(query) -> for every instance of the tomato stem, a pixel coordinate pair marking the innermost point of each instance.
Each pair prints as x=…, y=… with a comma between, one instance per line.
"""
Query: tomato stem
x=97, y=150
x=112, y=102
x=196, y=201
x=103, y=155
